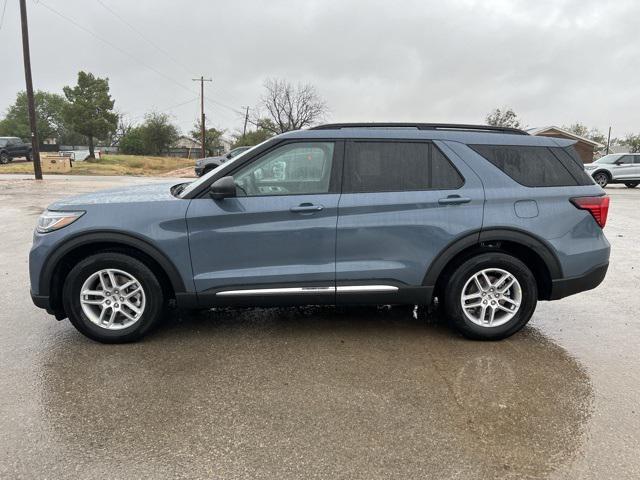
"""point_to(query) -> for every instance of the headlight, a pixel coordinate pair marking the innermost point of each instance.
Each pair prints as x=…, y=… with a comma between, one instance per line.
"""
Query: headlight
x=589, y=167
x=198, y=163
x=51, y=220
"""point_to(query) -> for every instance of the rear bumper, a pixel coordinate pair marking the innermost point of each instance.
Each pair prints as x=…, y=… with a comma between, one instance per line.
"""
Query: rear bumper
x=564, y=287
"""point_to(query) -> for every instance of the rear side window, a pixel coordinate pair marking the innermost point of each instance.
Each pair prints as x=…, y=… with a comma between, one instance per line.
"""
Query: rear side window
x=572, y=162
x=529, y=166
x=397, y=167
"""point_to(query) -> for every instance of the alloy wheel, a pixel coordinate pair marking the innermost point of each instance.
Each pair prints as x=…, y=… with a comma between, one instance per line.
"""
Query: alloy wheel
x=112, y=299
x=491, y=297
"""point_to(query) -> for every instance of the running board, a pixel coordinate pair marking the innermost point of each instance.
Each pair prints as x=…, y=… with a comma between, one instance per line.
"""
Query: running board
x=308, y=290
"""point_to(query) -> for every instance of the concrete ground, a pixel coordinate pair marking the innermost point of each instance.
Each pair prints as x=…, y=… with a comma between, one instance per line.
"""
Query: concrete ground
x=318, y=393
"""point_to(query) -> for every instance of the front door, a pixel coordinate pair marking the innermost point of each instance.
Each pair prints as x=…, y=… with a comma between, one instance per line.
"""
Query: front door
x=402, y=203
x=275, y=241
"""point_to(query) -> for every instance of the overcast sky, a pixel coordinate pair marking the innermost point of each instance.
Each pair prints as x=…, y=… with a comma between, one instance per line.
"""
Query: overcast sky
x=555, y=62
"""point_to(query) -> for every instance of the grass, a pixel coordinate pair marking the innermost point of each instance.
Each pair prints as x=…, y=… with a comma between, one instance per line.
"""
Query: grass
x=137, y=165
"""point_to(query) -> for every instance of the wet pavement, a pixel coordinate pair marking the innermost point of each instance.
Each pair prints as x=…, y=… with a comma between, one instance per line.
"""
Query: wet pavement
x=318, y=392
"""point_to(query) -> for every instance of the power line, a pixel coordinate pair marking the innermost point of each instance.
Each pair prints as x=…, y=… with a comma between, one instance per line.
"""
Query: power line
x=133, y=57
x=144, y=37
x=114, y=46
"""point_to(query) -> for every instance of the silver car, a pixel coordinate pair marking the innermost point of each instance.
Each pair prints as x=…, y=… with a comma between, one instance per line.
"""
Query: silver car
x=616, y=168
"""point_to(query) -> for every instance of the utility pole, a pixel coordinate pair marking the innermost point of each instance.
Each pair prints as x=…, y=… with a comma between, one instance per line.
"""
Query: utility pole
x=246, y=119
x=608, y=141
x=35, y=152
x=203, y=130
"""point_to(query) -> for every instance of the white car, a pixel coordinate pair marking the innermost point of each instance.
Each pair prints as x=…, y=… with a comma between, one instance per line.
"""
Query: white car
x=616, y=168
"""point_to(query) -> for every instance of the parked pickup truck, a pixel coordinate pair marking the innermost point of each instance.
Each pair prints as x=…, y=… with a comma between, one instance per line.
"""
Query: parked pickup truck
x=13, y=147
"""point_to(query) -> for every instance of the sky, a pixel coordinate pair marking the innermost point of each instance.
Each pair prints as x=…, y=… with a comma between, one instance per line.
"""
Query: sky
x=555, y=62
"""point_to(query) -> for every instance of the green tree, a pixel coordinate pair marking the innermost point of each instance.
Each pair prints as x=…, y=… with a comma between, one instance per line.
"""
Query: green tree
x=251, y=138
x=582, y=130
x=132, y=142
x=212, y=137
x=633, y=142
x=90, y=108
x=157, y=133
x=503, y=117
x=49, y=117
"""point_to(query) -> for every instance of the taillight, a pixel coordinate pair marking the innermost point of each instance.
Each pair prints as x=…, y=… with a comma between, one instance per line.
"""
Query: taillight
x=597, y=206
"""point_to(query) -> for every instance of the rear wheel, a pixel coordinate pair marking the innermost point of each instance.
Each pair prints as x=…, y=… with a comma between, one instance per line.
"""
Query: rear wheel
x=632, y=184
x=112, y=298
x=490, y=296
x=601, y=179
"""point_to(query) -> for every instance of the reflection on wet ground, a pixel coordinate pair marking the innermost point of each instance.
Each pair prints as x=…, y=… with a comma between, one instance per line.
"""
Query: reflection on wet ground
x=290, y=393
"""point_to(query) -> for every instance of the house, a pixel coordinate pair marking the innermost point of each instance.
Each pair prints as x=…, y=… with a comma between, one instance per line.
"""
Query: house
x=585, y=147
x=186, y=142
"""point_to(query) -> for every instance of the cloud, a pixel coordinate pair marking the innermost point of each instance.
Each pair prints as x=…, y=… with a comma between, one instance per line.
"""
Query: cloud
x=554, y=62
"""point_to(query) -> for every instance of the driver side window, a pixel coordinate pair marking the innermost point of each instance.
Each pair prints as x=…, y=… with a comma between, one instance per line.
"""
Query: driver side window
x=293, y=169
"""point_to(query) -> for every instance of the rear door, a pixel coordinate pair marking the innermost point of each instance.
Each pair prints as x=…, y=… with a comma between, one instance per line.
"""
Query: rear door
x=624, y=168
x=402, y=203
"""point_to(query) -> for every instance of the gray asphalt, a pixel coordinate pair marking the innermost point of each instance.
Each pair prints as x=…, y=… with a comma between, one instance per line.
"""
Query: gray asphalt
x=317, y=392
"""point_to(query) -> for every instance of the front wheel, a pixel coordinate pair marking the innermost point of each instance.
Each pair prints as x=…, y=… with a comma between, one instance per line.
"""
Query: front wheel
x=112, y=298
x=632, y=184
x=490, y=296
x=29, y=156
x=601, y=179
x=4, y=158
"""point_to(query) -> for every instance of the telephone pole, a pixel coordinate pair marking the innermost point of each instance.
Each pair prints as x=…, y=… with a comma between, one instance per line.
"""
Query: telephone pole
x=203, y=130
x=608, y=141
x=246, y=119
x=35, y=152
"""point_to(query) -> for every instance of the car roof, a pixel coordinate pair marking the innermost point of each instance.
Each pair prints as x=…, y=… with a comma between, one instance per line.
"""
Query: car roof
x=408, y=133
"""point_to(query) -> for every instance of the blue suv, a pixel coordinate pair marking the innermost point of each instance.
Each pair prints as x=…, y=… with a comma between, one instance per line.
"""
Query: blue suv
x=486, y=220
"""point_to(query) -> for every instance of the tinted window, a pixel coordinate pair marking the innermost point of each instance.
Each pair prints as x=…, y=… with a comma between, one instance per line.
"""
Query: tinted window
x=293, y=169
x=529, y=166
x=636, y=158
x=396, y=167
x=625, y=160
x=570, y=160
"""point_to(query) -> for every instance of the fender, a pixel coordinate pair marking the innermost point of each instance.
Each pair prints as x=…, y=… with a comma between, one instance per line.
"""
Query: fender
x=107, y=236
x=508, y=234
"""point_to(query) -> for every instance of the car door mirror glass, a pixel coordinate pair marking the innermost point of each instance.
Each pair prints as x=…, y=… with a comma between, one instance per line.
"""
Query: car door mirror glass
x=224, y=187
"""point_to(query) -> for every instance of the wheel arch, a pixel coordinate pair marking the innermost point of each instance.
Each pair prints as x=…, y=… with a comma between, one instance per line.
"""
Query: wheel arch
x=61, y=261
x=530, y=249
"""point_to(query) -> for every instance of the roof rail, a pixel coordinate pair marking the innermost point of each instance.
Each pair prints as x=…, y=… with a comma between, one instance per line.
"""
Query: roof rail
x=424, y=126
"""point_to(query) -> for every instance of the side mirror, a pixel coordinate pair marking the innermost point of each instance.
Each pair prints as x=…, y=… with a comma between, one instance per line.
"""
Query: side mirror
x=224, y=187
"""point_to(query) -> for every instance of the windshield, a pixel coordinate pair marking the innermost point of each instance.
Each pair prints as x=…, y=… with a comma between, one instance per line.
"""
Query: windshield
x=203, y=179
x=608, y=159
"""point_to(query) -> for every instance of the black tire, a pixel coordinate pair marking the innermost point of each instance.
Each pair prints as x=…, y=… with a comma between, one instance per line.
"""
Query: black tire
x=602, y=179
x=207, y=170
x=4, y=158
x=632, y=184
x=458, y=279
x=29, y=156
x=153, y=310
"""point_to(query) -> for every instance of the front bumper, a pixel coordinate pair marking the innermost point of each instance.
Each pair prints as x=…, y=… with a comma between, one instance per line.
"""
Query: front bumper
x=199, y=170
x=563, y=287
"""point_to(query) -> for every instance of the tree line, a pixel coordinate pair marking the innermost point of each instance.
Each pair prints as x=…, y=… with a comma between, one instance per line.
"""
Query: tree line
x=506, y=117
x=85, y=114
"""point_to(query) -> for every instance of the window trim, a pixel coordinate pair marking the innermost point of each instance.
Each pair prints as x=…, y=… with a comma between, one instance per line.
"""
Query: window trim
x=335, y=179
x=431, y=146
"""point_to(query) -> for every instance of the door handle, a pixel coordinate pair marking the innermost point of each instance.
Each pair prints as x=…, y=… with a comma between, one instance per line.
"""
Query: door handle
x=306, y=208
x=454, y=200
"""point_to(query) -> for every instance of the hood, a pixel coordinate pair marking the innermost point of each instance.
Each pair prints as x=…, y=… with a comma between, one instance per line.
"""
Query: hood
x=152, y=192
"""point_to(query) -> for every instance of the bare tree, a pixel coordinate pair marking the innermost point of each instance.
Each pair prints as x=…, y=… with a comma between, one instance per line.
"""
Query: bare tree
x=290, y=107
x=505, y=117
